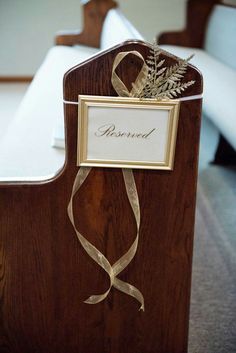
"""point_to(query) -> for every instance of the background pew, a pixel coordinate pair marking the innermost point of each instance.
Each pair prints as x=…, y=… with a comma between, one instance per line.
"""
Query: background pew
x=210, y=34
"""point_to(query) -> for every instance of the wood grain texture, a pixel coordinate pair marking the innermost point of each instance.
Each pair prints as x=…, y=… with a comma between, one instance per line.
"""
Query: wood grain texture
x=197, y=15
x=45, y=273
x=94, y=13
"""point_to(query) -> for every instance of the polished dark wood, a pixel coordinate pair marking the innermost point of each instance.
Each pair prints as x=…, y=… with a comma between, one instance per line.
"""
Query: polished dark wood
x=197, y=15
x=12, y=79
x=94, y=13
x=45, y=275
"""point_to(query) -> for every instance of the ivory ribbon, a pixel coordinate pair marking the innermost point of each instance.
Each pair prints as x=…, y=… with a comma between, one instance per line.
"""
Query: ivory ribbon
x=181, y=99
x=118, y=85
x=112, y=270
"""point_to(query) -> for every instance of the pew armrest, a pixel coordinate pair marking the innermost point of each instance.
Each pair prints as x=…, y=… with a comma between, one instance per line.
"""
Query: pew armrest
x=197, y=14
x=94, y=13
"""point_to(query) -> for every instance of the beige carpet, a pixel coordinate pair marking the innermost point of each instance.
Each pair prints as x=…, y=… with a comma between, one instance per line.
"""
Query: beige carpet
x=213, y=303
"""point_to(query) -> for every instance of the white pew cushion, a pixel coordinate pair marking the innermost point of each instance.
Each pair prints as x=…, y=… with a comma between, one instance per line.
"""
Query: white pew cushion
x=219, y=94
x=25, y=150
x=117, y=29
x=220, y=35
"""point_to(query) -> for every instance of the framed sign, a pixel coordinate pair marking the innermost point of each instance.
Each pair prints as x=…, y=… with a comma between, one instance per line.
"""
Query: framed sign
x=127, y=132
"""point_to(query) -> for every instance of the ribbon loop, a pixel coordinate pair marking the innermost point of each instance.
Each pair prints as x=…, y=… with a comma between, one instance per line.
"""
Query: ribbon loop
x=118, y=85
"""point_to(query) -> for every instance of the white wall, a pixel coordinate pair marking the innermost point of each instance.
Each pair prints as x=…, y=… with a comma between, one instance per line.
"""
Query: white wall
x=151, y=17
x=27, y=27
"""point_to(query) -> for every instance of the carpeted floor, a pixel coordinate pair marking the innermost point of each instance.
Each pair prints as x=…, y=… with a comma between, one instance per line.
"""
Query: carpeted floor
x=213, y=303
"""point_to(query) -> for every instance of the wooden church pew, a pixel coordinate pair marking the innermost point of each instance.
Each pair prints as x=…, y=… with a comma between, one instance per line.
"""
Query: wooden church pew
x=45, y=273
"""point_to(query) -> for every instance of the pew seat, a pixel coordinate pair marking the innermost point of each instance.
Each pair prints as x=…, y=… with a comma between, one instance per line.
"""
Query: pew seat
x=27, y=151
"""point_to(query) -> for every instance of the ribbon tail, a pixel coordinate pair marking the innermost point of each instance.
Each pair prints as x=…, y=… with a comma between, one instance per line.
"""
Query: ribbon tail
x=132, y=193
x=125, y=260
x=91, y=250
x=130, y=290
x=80, y=178
x=95, y=299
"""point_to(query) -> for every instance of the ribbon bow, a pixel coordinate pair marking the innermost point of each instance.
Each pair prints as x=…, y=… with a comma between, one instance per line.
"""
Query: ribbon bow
x=119, y=85
x=114, y=270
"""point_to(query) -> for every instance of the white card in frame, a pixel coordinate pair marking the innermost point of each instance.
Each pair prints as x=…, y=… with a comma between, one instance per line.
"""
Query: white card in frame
x=127, y=132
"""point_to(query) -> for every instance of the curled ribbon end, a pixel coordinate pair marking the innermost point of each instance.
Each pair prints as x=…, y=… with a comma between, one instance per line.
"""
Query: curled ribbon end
x=88, y=302
x=142, y=308
x=92, y=300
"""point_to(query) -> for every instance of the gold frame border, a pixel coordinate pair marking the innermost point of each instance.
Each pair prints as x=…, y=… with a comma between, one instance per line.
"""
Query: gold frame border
x=86, y=101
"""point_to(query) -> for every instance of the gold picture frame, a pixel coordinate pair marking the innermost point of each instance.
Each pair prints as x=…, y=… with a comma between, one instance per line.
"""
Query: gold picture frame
x=127, y=132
